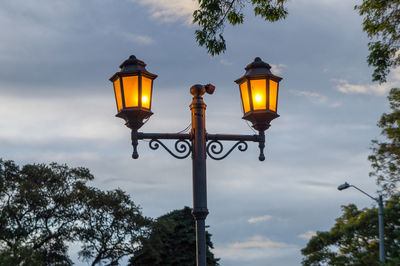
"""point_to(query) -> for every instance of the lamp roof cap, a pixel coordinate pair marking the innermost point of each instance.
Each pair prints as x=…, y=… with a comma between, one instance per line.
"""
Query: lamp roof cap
x=258, y=67
x=132, y=64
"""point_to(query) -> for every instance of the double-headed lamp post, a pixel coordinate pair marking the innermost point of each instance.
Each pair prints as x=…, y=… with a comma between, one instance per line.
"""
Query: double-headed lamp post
x=379, y=200
x=133, y=88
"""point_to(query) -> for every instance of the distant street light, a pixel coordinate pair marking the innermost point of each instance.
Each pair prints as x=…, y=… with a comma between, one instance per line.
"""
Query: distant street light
x=379, y=200
x=133, y=87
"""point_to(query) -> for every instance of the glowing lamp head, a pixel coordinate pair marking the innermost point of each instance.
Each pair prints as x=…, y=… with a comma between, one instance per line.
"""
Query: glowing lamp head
x=259, y=94
x=133, y=89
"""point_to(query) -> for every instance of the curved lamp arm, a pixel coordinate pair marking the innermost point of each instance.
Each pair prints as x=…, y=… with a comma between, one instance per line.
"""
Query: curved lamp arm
x=365, y=193
x=347, y=185
x=214, y=146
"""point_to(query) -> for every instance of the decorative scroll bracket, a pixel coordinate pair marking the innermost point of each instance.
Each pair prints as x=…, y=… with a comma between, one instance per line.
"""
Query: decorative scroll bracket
x=215, y=147
x=182, y=147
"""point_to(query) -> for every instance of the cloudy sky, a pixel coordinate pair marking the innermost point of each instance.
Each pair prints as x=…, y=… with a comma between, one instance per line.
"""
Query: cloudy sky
x=56, y=104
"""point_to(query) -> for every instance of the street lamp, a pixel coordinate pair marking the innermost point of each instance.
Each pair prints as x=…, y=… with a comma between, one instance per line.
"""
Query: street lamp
x=259, y=93
x=133, y=87
x=379, y=200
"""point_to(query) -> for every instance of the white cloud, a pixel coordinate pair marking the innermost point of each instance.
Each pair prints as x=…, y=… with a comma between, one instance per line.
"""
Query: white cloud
x=307, y=235
x=336, y=104
x=256, y=247
x=253, y=220
x=332, y=4
x=353, y=126
x=136, y=38
x=277, y=69
x=346, y=87
x=312, y=96
x=54, y=118
x=225, y=62
x=259, y=242
x=396, y=72
x=170, y=10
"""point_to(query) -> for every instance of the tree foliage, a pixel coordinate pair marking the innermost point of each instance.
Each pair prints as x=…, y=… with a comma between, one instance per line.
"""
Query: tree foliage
x=112, y=226
x=381, y=20
x=38, y=210
x=353, y=240
x=382, y=24
x=212, y=16
x=385, y=157
x=172, y=242
x=43, y=207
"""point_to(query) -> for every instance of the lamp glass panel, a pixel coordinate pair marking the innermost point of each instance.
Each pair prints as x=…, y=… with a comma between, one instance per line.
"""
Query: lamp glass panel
x=146, y=92
x=258, y=93
x=273, y=95
x=117, y=91
x=131, y=87
x=245, y=96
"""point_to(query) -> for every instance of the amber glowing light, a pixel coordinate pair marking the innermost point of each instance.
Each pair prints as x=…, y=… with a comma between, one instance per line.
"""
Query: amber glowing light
x=133, y=91
x=118, y=97
x=259, y=94
x=133, y=85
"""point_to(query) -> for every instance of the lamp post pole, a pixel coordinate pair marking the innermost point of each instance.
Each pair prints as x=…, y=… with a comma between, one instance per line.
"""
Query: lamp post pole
x=381, y=236
x=200, y=211
x=379, y=200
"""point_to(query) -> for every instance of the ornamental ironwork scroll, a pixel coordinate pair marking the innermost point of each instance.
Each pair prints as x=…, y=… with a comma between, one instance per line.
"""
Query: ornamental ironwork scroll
x=182, y=147
x=215, y=148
